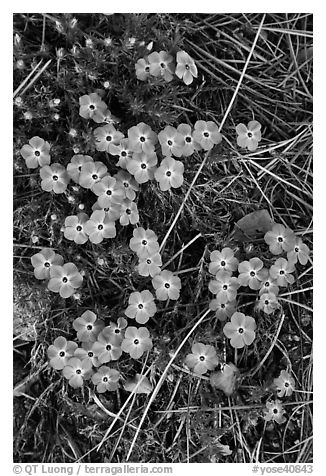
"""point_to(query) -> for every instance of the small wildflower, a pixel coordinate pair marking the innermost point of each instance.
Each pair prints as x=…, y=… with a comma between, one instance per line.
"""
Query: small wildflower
x=224, y=286
x=241, y=330
x=144, y=242
x=171, y=141
x=60, y=351
x=129, y=183
x=150, y=266
x=161, y=64
x=54, y=178
x=20, y=64
x=141, y=306
x=122, y=151
x=91, y=172
x=116, y=330
x=281, y=271
x=18, y=101
x=112, y=211
x=74, y=228
x=206, y=134
x=166, y=285
x=109, y=191
x=76, y=371
x=142, y=166
x=142, y=138
x=128, y=213
x=249, y=136
x=280, y=239
x=274, y=412
x=106, y=135
x=189, y=144
x=202, y=358
x=99, y=226
x=186, y=68
x=106, y=84
x=89, y=43
x=36, y=152
x=91, y=106
x=28, y=115
x=223, y=310
x=268, y=303
x=130, y=42
x=64, y=279
x=43, y=261
x=105, y=348
x=54, y=102
x=269, y=285
x=142, y=69
x=56, y=117
x=223, y=260
x=149, y=47
x=136, y=341
x=169, y=174
x=299, y=252
x=252, y=273
x=86, y=352
x=54, y=217
x=107, y=41
x=88, y=326
x=284, y=384
x=106, y=379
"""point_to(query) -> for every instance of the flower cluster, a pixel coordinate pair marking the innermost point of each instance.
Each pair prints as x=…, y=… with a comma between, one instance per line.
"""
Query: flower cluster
x=100, y=345
x=62, y=278
x=161, y=65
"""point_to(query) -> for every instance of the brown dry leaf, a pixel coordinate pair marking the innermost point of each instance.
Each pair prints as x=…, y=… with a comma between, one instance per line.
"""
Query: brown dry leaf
x=253, y=224
x=144, y=386
x=225, y=379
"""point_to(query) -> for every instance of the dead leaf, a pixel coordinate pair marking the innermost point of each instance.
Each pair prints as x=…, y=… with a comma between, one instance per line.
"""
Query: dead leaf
x=253, y=224
x=225, y=379
x=139, y=384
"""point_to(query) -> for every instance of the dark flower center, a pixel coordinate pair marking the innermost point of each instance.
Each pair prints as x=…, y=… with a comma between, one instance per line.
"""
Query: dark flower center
x=92, y=107
x=266, y=284
x=37, y=153
x=240, y=330
x=146, y=69
x=148, y=261
x=286, y=384
x=296, y=249
x=206, y=134
x=89, y=327
x=105, y=379
x=108, y=138
x=282, y=272
x=140, y=306
x=168, y=173
x=223, y=306
x=162, y=65
x=266, y=302
x=144, y=242
x=109, y=192
x=55, y=178
x=249, y=134
x=136, y=341
x=275, y=410
x=280, y=239
x=142, y=139
x=78, y=371
x=79, y=228
x=188, y=139
x=64, y=280
x=202, y=358
x=128, y=211
x=223, y=263
x=170, y=142
x=167, y=285
x=90, y=354
x=62, y=354
x=47, y=264
x=123, y=153
x=117, y=331
x=252, y=273
x=94, y=177
x=100, y=227
x=187, y=66
x=143, y=166
x=225, y=287
x=79, y=168
x=126, y=184
x=108, y=347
